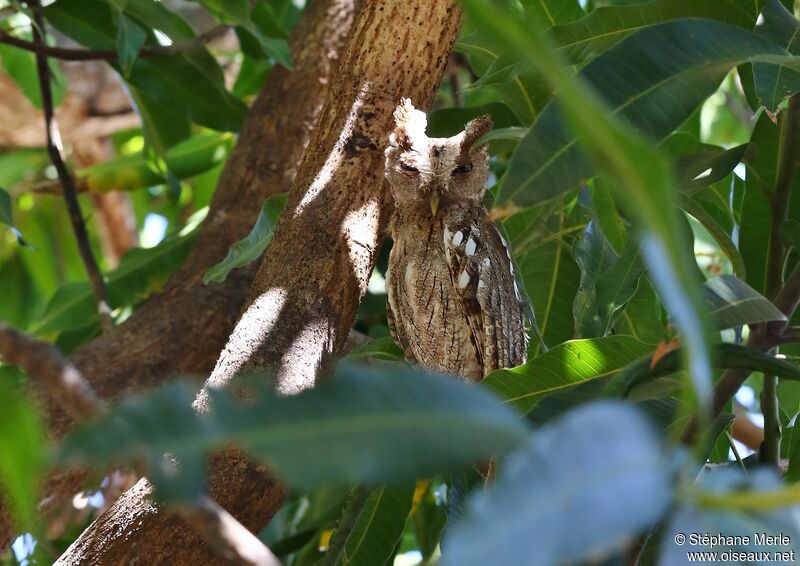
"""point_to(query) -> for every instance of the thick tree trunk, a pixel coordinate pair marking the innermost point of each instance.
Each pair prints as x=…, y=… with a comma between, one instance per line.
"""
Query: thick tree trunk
x=183, y=329
x=309, y=285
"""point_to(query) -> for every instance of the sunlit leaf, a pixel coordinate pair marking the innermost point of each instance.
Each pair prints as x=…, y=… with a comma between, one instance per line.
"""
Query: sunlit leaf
x=563, y=367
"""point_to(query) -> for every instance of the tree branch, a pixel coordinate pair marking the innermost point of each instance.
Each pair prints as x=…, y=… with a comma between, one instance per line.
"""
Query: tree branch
x=147, y=51
x=182, y=329
x=56, y=152
x=307, y=292
x=57, y=375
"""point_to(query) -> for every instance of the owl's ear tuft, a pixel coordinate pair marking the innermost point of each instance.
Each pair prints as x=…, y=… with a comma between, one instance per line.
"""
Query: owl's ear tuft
x=409, y=124
x=474, y=130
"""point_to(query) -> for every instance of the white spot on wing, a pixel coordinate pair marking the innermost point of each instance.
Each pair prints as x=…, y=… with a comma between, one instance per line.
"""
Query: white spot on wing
x=458, y=237
x=487, y=262
x=470, y=247
x=463, y=279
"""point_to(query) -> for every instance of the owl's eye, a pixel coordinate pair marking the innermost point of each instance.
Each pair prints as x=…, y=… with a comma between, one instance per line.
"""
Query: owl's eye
x=461, y=169
x=408, y=168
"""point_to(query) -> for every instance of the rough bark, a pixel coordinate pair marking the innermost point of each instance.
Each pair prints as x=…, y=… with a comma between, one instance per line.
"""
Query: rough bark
x=306, y=294
x=183, y=329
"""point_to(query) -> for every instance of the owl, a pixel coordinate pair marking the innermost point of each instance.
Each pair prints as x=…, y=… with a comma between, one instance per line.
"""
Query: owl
x=453, y=302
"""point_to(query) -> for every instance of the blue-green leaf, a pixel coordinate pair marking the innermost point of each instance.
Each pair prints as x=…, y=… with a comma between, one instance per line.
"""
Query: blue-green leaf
x=594, y=458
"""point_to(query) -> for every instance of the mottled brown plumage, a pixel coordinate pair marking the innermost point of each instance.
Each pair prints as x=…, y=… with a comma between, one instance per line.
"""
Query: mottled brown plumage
x=453, y=302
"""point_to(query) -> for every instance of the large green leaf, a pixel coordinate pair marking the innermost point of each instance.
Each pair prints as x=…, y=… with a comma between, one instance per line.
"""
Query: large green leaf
x=639, y=172
x=21, y=455
x=253, y=245
x=605, y=26
x=559, y=500
x=372, y=425
x=377, y=529
x=679, y=75
x=175, y=80
x=732, y=302
x=775, y=83
x=563, y=367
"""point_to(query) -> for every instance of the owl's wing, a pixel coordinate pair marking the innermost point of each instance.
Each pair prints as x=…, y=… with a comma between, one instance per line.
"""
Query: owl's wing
x=483, y=275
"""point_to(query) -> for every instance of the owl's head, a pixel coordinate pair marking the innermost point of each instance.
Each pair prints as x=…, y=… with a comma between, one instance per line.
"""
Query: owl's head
x=433, y=173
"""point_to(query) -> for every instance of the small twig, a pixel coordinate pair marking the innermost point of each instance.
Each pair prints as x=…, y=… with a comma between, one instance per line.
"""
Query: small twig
x=147, y=51
x=56, y=152
x=57, y=375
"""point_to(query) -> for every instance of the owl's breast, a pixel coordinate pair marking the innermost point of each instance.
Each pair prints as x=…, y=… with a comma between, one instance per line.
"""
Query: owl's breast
x=429, y=318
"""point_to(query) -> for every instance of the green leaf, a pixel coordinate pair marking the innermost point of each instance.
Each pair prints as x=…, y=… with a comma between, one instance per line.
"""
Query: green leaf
x=372, y=425
x=720, y=235
x=608, y=281
x=563, y=367
x=377, y=530
x=253, y=245
x=594, y=458
x=429, y=516
x=655, y=103
x=775, y=83
x=173, y=81
x=141, y=271
x=130, y=39
x=547, y=13
x=21, y=456
x=732, y=303
x=607, y=25
x=187, y=159
x=698, y=170
x=228, y=11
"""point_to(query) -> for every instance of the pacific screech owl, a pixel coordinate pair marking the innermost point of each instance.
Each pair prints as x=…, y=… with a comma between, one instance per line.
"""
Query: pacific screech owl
x=453, y=302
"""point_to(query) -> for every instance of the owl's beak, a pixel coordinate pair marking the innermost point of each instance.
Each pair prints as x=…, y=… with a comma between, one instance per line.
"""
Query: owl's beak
x=435, y=197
